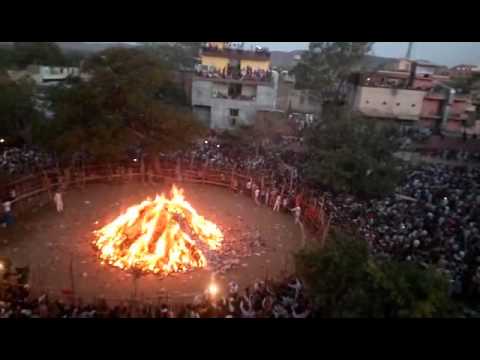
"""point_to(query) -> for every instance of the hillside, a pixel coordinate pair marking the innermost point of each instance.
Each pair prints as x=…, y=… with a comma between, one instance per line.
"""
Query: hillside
x=283, y=59
x=84, y=47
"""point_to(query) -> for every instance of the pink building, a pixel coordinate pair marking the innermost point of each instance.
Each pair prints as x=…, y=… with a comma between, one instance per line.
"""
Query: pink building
x=412, y=93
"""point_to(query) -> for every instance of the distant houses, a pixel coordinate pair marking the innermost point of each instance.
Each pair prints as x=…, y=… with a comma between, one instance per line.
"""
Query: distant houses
x=47, y=75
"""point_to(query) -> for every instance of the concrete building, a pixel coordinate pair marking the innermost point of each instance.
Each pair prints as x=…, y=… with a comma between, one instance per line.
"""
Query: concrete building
x=294, y=100
x=464, y=71
x=231, y=84
x=46, y=75
x=413, y=94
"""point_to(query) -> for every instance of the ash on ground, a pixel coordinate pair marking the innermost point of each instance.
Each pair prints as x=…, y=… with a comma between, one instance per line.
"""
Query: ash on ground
x=238, y=244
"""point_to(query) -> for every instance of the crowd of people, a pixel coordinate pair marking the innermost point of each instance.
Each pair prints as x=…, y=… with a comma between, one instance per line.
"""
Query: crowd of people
x=235, y=73
x=435, y=223
x=265, y=299
x=431, y=220
x=16, y=161
x=455, y=155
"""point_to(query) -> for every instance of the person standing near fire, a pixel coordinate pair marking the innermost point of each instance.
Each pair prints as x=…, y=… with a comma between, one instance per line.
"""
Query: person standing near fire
x=297, y=212
x=278, y=201
x=249, y=187
x=7, y=218
x=58, y=200
x=257, y=194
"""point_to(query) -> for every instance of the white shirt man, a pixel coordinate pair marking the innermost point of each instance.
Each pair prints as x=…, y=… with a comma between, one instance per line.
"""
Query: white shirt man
x=7, y=218
x=257, y=194
x=58, y=199
x=276, y=206
x=297, y=211
x=7, y=206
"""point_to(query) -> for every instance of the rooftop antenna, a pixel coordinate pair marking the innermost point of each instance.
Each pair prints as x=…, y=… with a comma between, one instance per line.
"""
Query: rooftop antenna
x=409, y=51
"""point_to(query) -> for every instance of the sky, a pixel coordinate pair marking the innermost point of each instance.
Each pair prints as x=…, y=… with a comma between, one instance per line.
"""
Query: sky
x=442, y=53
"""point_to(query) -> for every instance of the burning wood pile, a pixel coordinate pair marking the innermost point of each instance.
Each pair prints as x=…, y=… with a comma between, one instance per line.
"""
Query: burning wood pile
x=160, y=236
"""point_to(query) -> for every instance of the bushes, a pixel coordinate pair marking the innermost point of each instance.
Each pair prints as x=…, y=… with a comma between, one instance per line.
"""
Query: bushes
x=345, y=281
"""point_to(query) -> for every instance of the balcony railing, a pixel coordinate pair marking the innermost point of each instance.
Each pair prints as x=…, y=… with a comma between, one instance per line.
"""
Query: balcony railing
x=219, y=95
x=253, y=76
x=237, y=53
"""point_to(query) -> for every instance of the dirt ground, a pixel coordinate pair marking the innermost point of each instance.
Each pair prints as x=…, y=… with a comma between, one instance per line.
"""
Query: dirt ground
x=49, y=243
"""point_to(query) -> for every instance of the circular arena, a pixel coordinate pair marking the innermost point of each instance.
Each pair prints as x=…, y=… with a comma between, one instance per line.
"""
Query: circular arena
x=258, y=242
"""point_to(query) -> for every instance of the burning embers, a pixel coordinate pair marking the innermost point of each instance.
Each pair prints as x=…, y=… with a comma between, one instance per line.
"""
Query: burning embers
x=159, y=236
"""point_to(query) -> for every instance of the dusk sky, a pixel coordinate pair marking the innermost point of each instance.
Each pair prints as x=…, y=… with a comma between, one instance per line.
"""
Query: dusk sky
x=442, y=53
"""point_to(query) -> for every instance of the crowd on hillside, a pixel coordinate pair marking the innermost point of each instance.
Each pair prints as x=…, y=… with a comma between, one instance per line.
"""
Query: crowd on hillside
x=284, y=299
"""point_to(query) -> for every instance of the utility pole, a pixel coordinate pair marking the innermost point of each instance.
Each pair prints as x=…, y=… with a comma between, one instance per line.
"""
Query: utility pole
x=409, y=51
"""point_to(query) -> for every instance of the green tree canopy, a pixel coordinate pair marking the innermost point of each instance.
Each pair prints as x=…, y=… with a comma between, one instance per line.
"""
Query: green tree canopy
x=352, y=154
x=7, y=58
x=344, y=281
x=124, y=103
x=38, y=53
x=19, y=113
x=325, y=67
x=179, y=55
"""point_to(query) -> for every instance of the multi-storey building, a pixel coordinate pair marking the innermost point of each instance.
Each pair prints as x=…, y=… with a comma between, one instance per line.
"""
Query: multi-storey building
x=231, y=84
x=464, y=71
x=413, y=92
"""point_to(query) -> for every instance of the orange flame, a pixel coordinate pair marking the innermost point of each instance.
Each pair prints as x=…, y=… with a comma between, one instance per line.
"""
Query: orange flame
x=151, y=237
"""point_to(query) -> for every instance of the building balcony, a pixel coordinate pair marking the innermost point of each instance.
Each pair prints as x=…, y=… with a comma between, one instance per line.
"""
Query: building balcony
x=238, y=54
x=219, y=95
x=254, y=79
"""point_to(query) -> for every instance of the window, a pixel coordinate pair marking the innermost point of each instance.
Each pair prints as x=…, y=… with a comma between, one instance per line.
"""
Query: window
x=398, y=104
x=367, y=102
x=302, y=99
x=384, y=103
x=233, y=121
x=234, y=112
x=234, y=91
x=413, y=105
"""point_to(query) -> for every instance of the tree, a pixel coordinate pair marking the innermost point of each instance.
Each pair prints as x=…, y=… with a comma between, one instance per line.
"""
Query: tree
x=126, y=102
x=325, y=67
x=405, y=290
x=18, y=108
x=352, y=154
x=345, y=281
x=38, y=53
x=335, y=275
x=81, y=124
x=7, y=58
x=178, y=55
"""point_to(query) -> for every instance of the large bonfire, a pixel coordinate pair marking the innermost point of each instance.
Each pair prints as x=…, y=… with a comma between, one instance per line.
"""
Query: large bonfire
x=158, y=236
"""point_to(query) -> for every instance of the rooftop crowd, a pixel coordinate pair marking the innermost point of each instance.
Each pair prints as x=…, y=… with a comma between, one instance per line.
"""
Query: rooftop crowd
x=235, y=73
